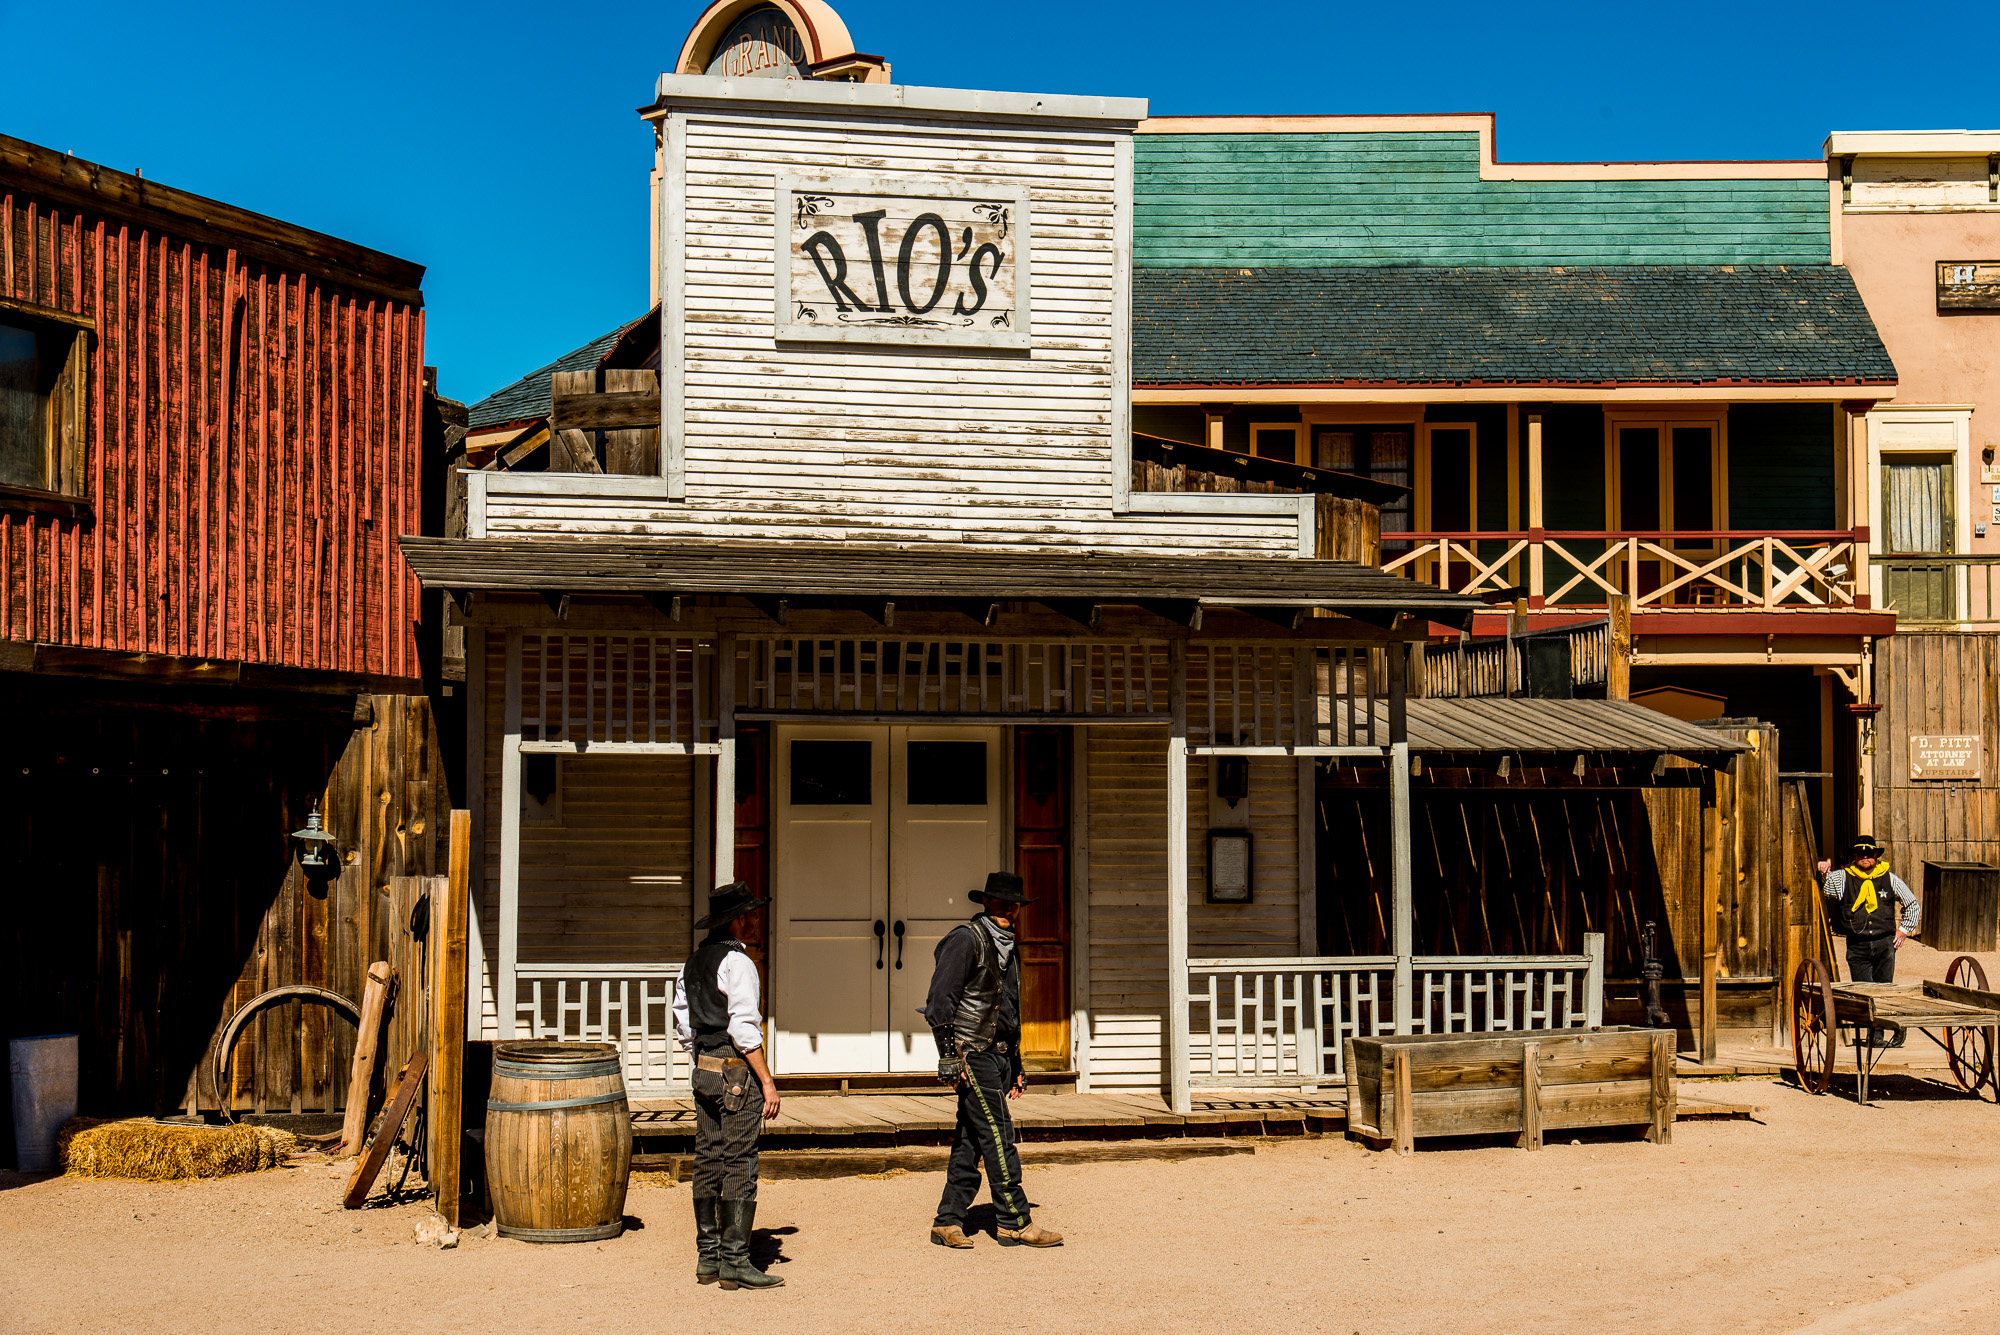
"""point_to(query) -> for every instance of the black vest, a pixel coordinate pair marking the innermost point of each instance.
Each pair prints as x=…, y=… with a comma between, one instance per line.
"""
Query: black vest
x=708, y=1009
x=1863, y=923
x=978, y=1014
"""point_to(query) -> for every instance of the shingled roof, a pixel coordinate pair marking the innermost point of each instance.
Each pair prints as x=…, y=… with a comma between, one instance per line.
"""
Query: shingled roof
x=527, y=399
x=1679, y=325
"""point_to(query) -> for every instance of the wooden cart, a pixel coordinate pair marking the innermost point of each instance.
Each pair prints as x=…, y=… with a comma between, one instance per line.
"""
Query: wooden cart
x=1960, y=1008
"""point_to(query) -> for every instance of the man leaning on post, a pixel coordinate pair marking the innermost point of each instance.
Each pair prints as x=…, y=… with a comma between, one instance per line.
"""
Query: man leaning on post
x=1876, y=911
x=718, y=1015
x=974, y=1010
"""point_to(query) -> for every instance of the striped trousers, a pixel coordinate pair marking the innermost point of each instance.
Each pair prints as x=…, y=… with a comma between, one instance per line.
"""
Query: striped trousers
x=985, y=1138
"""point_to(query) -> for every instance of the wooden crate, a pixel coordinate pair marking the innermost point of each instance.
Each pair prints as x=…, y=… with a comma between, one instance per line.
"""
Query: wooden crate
x=1523, y=1082
x=1961, y=905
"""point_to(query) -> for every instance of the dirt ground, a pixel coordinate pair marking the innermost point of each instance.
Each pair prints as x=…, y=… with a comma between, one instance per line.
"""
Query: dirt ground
x=1823, y=1217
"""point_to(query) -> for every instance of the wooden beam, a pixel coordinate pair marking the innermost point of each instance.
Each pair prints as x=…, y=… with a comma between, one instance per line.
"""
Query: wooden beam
x=361, y=1075
x=581, y=452
x=985, y=611
x=1179, y=1072
x=1402, y=930
x=1083, y=611
x=882, y=610
x=725, y=768
x=1531, y=1096
x=770, y=605
x=510, y=842
x=1618, y=673
x=1291, y=618
x=1711, y=896
x=448, y=1002
x=1180, y=611
x=667, y=605
x=606, y=411
x=558, y=603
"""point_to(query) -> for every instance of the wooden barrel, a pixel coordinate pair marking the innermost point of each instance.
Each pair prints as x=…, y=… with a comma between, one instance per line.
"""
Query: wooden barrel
x=558, y=1141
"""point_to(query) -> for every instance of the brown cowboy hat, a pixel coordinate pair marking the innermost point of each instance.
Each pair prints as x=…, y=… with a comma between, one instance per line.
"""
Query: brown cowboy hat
x=730, y=901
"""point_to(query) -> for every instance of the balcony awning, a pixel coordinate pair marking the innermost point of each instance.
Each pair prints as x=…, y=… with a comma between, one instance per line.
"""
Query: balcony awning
x=1599, y=727
x=1178, y=586
x=1666, y=325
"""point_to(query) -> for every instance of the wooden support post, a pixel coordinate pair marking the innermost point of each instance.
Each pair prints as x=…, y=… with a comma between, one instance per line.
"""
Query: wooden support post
x=1079, y=906
x=724, y=869
x=374, y=1002
x=1406, y=1121
x=1618, y=672
x=1305, y=731
x=1711, y=898
x=1353, y=1079
x=1664, y=1102
x=1402, y=929
x=504, y=984
x=1178, y=1073
x=447, y=1065
x=1535, y=588
x=1593, y=998
x=1531, y=1096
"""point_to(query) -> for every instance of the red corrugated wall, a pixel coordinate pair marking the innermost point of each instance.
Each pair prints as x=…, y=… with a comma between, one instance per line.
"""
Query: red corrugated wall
x=253, y=453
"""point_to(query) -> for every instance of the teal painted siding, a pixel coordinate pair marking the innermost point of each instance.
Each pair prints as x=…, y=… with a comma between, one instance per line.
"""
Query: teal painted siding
x=1781, y=465
x=1263, y=200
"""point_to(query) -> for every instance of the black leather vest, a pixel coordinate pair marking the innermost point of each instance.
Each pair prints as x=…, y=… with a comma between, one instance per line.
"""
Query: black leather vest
x=978, y=1013
x=1861, y=923
x=708, y=1009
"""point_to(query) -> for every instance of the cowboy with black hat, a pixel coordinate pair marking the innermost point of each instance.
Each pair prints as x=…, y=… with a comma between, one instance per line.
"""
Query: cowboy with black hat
x=719, y=1017
x=1874, y=908
x=975, y=1012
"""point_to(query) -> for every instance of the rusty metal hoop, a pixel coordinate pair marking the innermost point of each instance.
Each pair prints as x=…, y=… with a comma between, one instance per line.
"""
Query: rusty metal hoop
x=1970, y=1049
x=1812, y=1026
x=233, y=1030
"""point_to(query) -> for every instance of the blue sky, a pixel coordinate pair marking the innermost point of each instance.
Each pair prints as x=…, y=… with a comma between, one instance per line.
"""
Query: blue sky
x=497, y=144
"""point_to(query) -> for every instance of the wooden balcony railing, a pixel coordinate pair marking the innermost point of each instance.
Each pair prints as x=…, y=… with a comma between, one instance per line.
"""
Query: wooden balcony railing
x=1721, y=568
x=1939, y=590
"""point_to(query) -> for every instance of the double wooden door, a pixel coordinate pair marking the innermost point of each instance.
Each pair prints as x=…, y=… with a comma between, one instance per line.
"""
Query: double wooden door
x=881, y=833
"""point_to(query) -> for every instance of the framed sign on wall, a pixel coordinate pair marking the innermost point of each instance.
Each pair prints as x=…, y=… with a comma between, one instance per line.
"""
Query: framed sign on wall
x=1968, y=285
x=1960, y=758
x=860, y=260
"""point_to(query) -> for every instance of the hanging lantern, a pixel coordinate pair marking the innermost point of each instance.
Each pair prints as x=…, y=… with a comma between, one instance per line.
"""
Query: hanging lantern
x=319, y=853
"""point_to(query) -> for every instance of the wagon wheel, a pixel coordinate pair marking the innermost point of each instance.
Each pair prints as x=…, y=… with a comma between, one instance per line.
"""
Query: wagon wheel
x=1970, y=1050
x=1812, y=1026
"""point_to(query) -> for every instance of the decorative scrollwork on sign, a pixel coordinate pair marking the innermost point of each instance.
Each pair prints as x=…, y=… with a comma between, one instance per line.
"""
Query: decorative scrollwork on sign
x=994, y=213
x=1001, y=321
x=810, y=207
x=807, y=312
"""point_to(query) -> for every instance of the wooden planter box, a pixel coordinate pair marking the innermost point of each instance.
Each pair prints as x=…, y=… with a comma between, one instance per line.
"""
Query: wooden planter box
x=1961, y=905
x=1526, y=1082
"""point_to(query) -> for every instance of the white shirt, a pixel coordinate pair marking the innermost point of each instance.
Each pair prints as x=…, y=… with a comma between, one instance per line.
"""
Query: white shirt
x=737, y=979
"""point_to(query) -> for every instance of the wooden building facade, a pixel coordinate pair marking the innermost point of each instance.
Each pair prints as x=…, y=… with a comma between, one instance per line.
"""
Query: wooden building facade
x=212, y=427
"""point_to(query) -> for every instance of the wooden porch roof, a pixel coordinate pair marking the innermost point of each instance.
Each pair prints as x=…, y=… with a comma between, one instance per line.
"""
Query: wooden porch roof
x=1177, y=586
x=1514, y=726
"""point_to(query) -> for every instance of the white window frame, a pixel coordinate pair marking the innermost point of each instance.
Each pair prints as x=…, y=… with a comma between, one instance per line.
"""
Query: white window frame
x=1950, y=433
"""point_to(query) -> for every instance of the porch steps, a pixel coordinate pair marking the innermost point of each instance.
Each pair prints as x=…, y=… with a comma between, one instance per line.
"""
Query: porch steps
x=778, y=1164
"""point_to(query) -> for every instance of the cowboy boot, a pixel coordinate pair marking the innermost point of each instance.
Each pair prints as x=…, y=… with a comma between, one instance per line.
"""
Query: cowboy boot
x=1029, y=1235
x=950, y=1235
x=736, y=1270
x=707, y=1239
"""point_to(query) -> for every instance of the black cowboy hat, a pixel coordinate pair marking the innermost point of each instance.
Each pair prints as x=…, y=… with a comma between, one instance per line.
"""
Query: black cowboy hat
x=1865, y=843
x=730, y=901
x=1002, y=887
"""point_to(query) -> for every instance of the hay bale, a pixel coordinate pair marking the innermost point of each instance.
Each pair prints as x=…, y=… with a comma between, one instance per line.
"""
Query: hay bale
x=152, y=1151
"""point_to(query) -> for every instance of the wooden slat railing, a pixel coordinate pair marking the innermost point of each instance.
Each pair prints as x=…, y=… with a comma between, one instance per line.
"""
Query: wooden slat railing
x=1939, y=590
x=1283, y=1023
x=628, y=1005
x=1736, y=569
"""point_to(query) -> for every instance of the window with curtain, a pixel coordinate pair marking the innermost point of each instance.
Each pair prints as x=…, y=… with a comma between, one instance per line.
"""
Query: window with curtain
x=1916, y=506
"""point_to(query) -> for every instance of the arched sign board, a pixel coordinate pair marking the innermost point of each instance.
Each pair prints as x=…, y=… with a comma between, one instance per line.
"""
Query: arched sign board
x=873, y=261
x=763, y=44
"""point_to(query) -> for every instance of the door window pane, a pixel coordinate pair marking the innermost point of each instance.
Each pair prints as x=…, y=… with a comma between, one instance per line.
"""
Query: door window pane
x=1639, y=479
x=1276, y=443
x=22, y=404
x=1451, y=480
x=832, y=774
x=1694, y=478
x=1335, y=449
x=1914, y=503
x=1389, y=461
x=947, y=774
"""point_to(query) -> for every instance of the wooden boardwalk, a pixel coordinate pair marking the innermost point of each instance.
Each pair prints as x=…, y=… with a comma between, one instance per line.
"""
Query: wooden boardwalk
x=878, y=1119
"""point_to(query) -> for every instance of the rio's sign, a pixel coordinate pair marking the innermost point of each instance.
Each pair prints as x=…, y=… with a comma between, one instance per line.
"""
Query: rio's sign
x=901, y=262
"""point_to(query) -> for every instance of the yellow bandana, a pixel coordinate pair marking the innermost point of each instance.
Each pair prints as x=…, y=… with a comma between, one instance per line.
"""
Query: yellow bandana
x=1866, y=900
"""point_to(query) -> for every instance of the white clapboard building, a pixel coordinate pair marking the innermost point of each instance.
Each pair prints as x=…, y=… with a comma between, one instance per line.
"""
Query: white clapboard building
x=891, y=600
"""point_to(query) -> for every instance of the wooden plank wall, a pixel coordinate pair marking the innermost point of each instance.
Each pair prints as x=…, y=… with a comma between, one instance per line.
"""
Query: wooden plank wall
x=608, y=880
x=891, y=444
x=149, y=887
x=1343, y=529
x=1931, y=684
x=253, y=450
x=1127, y=944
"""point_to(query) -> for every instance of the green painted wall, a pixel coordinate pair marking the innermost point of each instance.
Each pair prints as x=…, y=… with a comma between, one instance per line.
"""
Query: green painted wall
x=1781, y=465
x=1265, y=200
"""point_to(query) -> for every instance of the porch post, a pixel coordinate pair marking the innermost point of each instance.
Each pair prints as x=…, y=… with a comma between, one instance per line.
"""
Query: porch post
x=1399, y=881
x=724, y=869
x=1534, y=509
x=1179, y=1094
x=510, y=844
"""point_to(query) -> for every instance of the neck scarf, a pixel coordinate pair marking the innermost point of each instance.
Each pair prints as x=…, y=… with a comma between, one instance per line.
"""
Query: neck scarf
x=1866, y=900
x=1001, y=937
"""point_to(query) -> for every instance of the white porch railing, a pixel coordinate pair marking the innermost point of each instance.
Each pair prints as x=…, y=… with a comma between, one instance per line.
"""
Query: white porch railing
x=1715, y=568
x=1257, y=1023
x=629, y=1005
